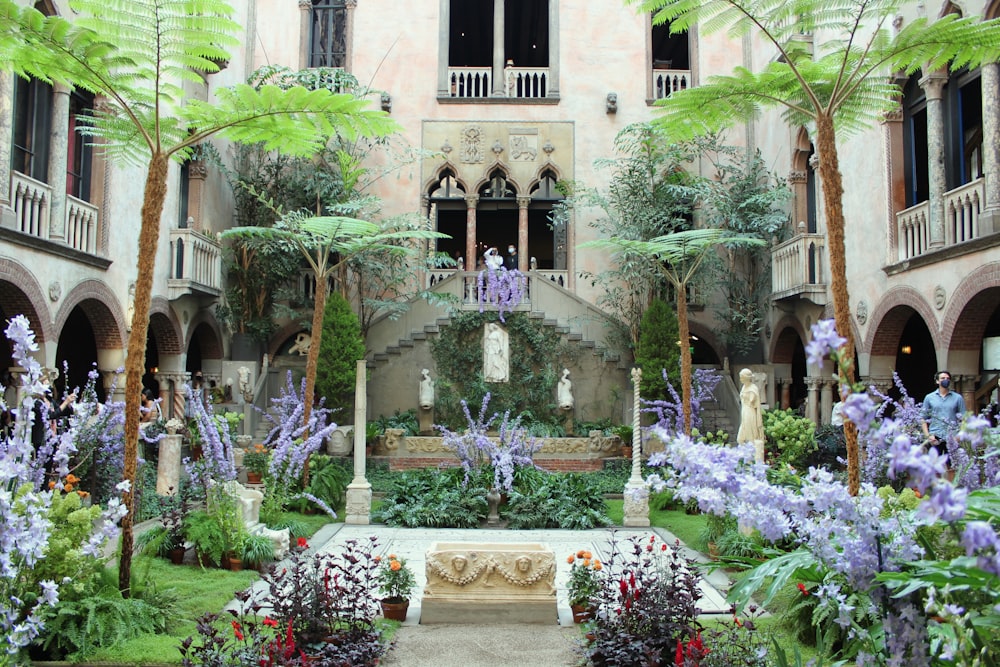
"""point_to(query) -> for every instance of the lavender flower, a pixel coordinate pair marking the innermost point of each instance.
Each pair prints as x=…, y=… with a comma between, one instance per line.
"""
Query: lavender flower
x=824, y=341
x=502, y=288
x=670, y=414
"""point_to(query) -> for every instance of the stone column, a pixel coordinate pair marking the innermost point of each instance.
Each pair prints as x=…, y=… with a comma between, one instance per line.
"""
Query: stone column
x=786, y=392
x=499, y=75
x=933, y=85
x=471, y=256
x=636, y=492
x=828, y=395
x=359, y=491
x=108, y=380
x=168, y=467
x=522, y=233
x=305, y=32
x=172, y=392
x=197, y=173
x=989, y=219
x=6, y=142
x=813, y=385
x=58, y=157
x=967, y=387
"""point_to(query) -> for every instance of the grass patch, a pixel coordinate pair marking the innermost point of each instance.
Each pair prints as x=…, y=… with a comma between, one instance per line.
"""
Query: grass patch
x=686, y=527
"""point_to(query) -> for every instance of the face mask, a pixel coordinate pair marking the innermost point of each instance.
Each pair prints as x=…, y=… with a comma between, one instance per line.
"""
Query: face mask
x=510, y=250
x=945, y=382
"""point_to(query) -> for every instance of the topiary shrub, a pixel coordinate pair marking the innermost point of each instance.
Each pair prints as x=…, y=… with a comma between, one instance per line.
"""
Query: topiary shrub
x=340, y=349
x=657, y=350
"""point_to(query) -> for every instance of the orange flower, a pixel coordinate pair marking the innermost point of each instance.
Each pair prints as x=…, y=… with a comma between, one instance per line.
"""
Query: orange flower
x=82, y=494
x=392, y=556
x=586, y=562
x=570, y=559
x=378, y=559
x=395, y=565
x=579, y=554
x=597, y=565
x=68, y=488
x=52, y=485
x=72, y=479
x=586, y=554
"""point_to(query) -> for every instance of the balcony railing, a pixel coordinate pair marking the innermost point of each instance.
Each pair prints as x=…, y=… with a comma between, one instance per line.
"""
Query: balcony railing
x=470, y=81
x=32, y=203
x=518, y=82
x=195, y=264
x=799, y=268
x=667, y=81
x=961, y=221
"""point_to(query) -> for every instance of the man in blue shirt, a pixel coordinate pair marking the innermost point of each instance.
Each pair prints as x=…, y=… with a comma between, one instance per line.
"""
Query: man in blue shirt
x=942, y=411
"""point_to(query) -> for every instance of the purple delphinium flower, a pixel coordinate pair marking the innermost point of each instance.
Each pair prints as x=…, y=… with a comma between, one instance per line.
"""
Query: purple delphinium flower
x=824, y=341
x=511, y=448
x=216, y=445
x=670, y=413
x=502, y=287
x=289, y=451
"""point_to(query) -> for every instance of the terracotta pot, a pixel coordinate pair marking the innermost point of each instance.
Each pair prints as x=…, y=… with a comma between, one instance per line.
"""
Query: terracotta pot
x=253, y=477
x=235, y=564
x=395, y=611
x=582, y=613
x=177, y=555
x=627, y=451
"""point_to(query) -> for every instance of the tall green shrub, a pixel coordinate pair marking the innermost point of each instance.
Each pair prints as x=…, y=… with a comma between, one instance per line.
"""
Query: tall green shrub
x=657, y=350
x=341, y=348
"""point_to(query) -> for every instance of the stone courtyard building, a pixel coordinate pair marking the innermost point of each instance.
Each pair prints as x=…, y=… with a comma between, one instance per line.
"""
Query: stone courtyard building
x=508, y=98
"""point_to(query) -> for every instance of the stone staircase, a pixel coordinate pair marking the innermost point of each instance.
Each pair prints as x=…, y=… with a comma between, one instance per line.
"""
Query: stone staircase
x=714, y=417
x=578, y=321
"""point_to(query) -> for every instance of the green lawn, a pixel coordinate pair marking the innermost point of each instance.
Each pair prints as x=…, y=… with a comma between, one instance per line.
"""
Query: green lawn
x=686, y=527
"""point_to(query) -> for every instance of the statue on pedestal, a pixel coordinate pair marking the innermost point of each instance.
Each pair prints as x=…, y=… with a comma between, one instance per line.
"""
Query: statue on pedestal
x=496, y=354
x=751, y=419
x=426, y=395
x=564, y=394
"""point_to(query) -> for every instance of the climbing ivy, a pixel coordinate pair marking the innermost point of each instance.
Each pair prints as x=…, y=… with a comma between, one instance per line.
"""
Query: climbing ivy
x=537, y=355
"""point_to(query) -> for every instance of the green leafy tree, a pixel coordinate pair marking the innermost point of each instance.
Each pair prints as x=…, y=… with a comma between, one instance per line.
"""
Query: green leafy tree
x=678, y=257
x=138, y=54
x=658, y=350
x=341, y=348
x=649, y=194
x=840, y=86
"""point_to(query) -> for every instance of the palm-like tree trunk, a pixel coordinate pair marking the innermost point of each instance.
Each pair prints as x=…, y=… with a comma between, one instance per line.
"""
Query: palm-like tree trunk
x=312, y=360
x=684, y=335
x=833, y=197
x=149, y=234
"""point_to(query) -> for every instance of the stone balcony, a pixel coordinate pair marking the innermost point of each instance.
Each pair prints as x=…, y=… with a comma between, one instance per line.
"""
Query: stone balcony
x=799, y=269
x=195, y=264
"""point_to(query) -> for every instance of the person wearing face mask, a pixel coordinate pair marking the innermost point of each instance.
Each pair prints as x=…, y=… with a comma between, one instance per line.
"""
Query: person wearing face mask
x=510, y=259
x=942, y=411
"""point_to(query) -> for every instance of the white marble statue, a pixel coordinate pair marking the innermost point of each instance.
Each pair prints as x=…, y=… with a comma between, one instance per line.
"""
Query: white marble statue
x=496, y=353
x=426, y=396
x=303, y=342
x=751, y=419
x=565, y=391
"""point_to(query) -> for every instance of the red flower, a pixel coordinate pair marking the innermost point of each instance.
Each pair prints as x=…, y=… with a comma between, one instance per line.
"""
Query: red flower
x=802, y=587
x=679, y=657
x=649, y=547
x=302, y=543
x=663, y=547
x=236, y=630
x=652, y=538
x=270, y=622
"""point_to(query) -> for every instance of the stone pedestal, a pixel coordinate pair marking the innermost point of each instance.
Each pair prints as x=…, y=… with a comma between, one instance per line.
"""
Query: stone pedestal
x=425, y=419
x=358, y=503
x=489, y=583
x=168, y=469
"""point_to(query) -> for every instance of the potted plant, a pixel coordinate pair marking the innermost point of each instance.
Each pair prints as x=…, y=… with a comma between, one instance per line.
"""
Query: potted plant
x=257, y=550
x=256, y=461
x=166, y=540
x=584, y=584
x=395, y=582
x=205, y=534
x=624, y=433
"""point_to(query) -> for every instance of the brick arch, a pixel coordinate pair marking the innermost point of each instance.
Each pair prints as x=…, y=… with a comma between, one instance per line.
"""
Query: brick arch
x=20, y=294
x=959, y=328
x=165, y=327
x=211, y=345
x=783, y=343
x=708, y=337
x=102, y=308
x=281, y=336
x=890, y=316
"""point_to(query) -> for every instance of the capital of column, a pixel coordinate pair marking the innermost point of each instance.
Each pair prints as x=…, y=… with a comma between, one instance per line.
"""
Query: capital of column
x=785, y=382
x=471, y=201
x=882, y=384
x=933, y=84
x=197, y=169
x=108, y=377
x=523, y=202
x=179, y=377
x=814, y=383
x=797, y=176
x=305, y=5
x=351, y=4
